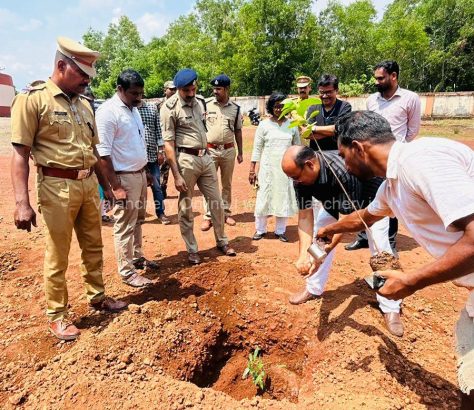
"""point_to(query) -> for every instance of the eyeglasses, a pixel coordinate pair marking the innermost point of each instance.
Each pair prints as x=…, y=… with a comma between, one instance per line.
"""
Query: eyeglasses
x=326, y=92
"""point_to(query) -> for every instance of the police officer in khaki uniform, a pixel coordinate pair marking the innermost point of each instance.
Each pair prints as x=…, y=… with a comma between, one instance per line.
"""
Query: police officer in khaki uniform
x=57, y=126
x=169, y=90
x=303, y=85
x=184, y=132
x=224, y=130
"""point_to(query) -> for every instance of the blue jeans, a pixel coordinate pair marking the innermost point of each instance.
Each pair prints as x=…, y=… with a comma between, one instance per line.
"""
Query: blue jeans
x=154, y=169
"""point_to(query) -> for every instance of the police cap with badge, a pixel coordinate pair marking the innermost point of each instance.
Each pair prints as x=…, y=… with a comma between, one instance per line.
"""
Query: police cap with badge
x=303, y=81
x=84, y=57
x=169, y=84
x=220, y=81
x=185, y=77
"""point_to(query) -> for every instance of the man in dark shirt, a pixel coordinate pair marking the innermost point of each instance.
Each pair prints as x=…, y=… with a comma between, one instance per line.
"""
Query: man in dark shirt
x=314, y=176
x=330, y=109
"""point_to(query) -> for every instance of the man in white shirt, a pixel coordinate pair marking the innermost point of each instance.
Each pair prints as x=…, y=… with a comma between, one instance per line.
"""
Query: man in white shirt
x=402, y=109
x=430, y=188
x=123, y=156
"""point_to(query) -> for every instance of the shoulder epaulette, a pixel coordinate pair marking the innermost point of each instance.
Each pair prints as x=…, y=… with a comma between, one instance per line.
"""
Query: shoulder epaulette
x=171, y=102
x=38, y=87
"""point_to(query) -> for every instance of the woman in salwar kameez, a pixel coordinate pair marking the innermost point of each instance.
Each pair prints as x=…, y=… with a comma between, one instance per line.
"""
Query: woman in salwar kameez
x=275, y=193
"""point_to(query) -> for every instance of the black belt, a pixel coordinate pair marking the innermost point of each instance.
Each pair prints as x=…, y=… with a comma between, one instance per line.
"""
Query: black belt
x=193, y=151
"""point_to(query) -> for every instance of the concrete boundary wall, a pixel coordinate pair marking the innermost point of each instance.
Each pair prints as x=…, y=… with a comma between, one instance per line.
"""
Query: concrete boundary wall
x=433, y=105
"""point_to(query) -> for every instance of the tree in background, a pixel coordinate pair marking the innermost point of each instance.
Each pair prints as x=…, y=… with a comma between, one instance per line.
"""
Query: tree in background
x=118, y=51
x=277, y=39
x=263, y=45
x=450, y=27
x=401, y=34
x=348, y=40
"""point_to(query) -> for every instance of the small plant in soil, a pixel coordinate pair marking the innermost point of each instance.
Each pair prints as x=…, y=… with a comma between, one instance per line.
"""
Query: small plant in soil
x=255, y=370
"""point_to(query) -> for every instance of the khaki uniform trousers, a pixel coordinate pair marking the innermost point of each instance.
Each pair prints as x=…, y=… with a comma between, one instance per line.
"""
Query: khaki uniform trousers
x=67, y=204
x=200, y=171
x=225, y=160
x=129, y=216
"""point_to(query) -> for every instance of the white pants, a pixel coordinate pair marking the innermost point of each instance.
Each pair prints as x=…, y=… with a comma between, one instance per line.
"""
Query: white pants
x=317, y=206
x=317, y=282
x=280, y=225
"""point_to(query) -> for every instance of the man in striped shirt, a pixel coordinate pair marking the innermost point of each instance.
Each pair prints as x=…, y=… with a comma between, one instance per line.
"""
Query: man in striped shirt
x=313, y=173
x=155, y=153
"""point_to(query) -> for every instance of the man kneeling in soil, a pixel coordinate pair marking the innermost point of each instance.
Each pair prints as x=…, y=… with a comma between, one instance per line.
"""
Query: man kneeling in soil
x=315, y=179
x=430, y=189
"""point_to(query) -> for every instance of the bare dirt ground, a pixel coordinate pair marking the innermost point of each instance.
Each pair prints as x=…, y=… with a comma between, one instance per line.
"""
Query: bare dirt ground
x=184, y=342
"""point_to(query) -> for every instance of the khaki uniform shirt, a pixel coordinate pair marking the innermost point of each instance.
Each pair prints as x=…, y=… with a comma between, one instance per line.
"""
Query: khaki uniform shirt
x=61, y=132
x=183, y=123
x=222, y=121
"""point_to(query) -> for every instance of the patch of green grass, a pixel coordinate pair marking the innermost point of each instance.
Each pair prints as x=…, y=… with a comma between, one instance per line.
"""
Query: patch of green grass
x=457, y=129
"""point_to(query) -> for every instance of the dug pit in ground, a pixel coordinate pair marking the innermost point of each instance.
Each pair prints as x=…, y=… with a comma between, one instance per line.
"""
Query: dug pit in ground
x=199, y=324
x=203, y=339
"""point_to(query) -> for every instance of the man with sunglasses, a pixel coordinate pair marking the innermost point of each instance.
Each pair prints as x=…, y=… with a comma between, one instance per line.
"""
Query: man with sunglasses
x=54, y=123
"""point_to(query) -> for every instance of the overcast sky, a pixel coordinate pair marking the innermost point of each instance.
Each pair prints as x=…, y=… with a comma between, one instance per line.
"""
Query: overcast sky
x=29, y=28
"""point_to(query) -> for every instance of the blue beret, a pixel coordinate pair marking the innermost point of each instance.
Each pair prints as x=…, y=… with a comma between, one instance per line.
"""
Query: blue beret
x=220, y=81
x=184, y=77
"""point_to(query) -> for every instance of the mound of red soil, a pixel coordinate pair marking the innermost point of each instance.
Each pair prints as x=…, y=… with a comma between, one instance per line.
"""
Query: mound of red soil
x=184, y=343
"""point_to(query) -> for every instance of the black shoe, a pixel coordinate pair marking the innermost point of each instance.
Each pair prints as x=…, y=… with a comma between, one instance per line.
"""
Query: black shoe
x=282, y=237
x=357, y=244
x=257, y=236
x=142, y=263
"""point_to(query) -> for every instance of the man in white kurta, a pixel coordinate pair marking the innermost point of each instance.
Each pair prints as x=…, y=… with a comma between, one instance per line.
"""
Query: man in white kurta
x=430, y=188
